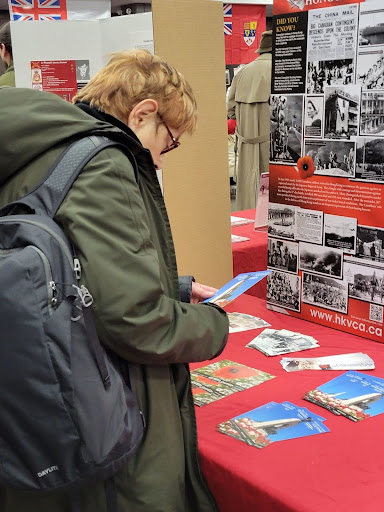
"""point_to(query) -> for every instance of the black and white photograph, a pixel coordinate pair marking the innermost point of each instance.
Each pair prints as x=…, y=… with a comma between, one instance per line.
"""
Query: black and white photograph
x=372, y=113
x=370, y=67
x=332, y=157
x=340, y=233
x=309, y=225
x=283, y=289
x=239, y=322
x=82, y=71
x=332, y=46
x=314, y=113
x=321, y=260
x=341, y=117
x=370, y=243
x=367, y=282
x=325, y=292
x=281, y=221
x=371, y=26
x=283, y=255
x=286, y=128
x=369, y=160
x=274, y=342
x=329, y=72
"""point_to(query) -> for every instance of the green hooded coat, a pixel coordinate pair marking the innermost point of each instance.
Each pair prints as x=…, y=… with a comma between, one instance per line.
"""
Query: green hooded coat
x=8, y=77
x=123, y=240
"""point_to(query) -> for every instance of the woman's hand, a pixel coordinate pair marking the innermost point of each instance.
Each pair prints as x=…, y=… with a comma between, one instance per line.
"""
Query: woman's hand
x=201, y=292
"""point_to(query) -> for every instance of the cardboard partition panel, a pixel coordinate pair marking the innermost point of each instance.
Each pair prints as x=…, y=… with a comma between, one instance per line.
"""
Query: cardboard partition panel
x=196, y=176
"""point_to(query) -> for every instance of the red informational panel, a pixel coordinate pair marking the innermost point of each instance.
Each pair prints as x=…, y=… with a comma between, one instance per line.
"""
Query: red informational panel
x=243, y=26
x=62, y=77
x=325, y=216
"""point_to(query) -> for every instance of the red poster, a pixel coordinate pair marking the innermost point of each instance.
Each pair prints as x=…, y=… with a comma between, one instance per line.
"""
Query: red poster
x=62, y=77
x=243, y=26
x=325, y=215
x=290, y=6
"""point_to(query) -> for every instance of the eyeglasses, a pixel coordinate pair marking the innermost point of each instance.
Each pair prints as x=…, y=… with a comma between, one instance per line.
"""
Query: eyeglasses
x=175, y=143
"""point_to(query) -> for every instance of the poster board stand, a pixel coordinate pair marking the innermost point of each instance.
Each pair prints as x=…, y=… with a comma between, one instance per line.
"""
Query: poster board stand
x=325, y=218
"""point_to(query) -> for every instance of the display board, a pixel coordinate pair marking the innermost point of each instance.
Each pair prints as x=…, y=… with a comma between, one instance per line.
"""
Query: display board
x=325, y=216
x=65, y=66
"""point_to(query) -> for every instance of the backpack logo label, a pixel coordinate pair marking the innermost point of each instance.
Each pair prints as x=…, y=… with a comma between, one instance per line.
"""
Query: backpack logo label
x=46, y=472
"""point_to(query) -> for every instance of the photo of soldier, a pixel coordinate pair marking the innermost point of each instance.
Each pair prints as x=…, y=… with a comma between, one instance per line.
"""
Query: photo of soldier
x=370, y=243
x=329, y=72
x=325, y=292
x=367, y=282
x=332, y=157
x=286, y=128
x=284, y=290
x=282, y=255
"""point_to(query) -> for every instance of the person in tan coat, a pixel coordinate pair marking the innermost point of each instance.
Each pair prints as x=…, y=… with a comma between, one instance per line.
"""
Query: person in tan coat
x=248, y=103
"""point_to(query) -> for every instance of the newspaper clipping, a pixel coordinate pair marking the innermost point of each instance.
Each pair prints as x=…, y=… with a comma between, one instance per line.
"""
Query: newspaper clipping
x=332, y=37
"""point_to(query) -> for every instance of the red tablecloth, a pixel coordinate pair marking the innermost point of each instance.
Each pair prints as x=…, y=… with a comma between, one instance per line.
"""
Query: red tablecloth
x=340, y=471
x=251, y=255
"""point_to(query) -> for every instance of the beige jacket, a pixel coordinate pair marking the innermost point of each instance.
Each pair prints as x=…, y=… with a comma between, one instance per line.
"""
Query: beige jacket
x=248, y=103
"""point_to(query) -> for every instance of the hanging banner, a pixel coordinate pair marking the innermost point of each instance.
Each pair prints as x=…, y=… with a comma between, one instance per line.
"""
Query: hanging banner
x=56, y=10
x=290, y=6
x=327, y=164
x=243, y=26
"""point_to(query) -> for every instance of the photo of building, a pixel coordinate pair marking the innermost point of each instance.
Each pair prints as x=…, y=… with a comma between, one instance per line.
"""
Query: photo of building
x=372, y=113
x=341, y=111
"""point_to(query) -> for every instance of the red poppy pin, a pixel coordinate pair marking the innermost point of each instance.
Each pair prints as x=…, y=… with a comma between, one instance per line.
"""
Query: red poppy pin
x=305, y=167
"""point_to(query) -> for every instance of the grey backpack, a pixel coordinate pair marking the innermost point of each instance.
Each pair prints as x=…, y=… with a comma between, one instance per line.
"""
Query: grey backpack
x=67, y=416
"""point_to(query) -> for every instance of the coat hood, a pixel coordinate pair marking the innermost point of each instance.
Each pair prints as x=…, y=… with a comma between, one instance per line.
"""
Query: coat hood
x=32, y=122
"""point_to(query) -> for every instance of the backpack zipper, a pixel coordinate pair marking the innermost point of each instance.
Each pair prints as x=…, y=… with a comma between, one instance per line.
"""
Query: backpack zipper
x=51, y=285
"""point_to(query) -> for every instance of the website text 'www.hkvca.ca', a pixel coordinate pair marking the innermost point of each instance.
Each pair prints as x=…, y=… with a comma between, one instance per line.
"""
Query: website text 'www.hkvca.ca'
x=340, y=320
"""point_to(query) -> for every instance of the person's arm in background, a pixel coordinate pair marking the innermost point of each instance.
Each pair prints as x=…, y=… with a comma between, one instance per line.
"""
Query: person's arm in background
x=231, y=103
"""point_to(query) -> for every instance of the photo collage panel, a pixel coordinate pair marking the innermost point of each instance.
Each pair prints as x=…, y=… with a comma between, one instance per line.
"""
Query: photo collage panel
x=327, y=102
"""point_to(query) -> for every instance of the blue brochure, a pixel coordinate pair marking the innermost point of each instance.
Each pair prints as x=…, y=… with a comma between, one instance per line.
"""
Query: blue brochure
x=273, y=422
x=354, y=395
x=236, y=287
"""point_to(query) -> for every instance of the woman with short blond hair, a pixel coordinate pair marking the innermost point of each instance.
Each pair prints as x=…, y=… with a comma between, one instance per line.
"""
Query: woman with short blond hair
x=118, y=225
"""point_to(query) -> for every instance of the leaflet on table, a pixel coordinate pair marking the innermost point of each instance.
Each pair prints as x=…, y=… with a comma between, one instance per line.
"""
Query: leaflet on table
x=355, y=361
x=217, y=380
x=353, y=395
x=239, y=322
x=240, y=221
x=273, y=342
x=236, y=238
x=273, y=422
x=240, y=284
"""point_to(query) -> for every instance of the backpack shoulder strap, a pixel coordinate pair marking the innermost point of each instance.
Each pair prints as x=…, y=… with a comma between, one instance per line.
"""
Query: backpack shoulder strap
x=48, y=195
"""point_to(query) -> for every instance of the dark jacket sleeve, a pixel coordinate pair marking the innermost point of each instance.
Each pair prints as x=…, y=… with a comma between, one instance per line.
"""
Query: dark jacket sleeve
x=185, y=285
x=105, y=217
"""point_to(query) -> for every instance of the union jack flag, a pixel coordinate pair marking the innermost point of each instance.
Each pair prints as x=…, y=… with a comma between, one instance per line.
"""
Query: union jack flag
x=227, y=10
x=41, y=10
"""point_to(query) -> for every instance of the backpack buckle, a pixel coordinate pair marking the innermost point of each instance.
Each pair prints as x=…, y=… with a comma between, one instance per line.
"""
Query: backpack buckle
x=77, y=268
x=85, y=297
